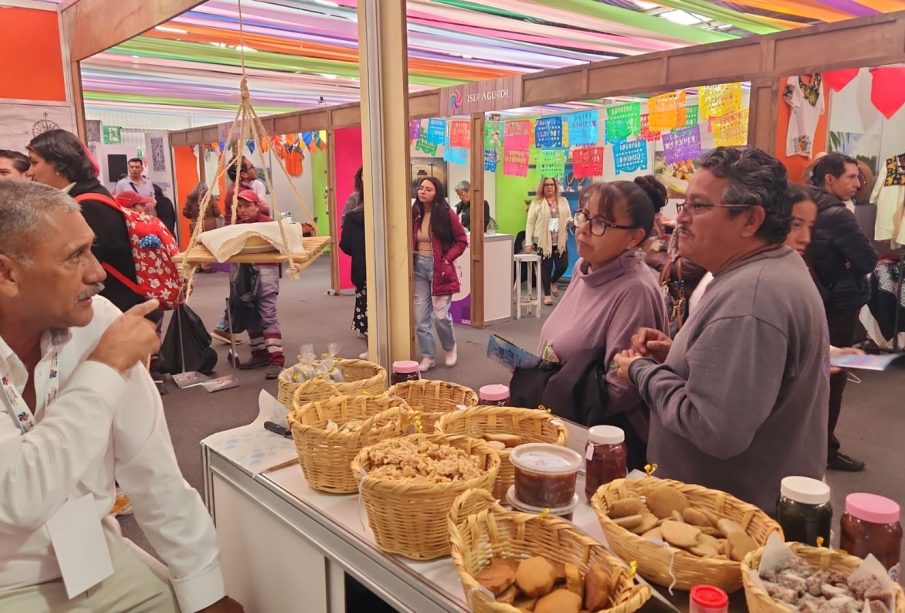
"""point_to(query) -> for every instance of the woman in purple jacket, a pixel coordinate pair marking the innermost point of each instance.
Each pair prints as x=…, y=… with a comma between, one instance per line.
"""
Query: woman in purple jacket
x=438, y=239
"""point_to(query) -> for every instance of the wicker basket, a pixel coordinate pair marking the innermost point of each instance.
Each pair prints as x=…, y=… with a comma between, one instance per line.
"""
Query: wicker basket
x=410, y=518
x=532, y=425
x=361, y=377
x=326, y=457
x=823, y=558
x=433, y=398
x=660, y=564
x=479, y=528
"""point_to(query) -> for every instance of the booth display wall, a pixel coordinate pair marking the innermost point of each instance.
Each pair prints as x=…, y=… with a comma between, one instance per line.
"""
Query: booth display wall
x=796, y=164
x=319, y=190
x=868, y=132
x=185, y=164
x=346, y=151
x=461, y=172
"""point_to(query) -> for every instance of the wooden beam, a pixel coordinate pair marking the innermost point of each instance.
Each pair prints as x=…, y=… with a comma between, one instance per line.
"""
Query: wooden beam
x=333, y=221
x=78, y=101
x=477, y=220
x=91, y=26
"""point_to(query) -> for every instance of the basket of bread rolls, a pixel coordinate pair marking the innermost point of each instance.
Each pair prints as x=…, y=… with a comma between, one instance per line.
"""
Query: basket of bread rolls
x=818, y=579
x=408, y=485
x=433, y=398
x=329, y=434
x=504, y=428
x=680, y=534
x=510, y=562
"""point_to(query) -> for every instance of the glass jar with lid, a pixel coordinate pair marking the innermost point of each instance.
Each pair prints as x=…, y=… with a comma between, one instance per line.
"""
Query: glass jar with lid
x=871, y=524
x=405, y=370
x=804, y=511
x=494, y=395
x=606, y=457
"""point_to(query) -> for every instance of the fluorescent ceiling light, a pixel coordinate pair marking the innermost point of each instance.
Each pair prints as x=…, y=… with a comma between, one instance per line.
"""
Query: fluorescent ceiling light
x=328, y=76
x=680, y=17
x=327, y=3
x=246, y=49
x=169, y=29
x=646, y=6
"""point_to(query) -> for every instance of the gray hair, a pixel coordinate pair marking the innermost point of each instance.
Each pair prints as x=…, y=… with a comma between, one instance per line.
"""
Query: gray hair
x=463, y=186
x=24, y=206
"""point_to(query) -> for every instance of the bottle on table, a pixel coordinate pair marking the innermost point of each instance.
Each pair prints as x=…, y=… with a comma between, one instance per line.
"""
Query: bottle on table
x=606, y=457
x=804, y=511
x=871, y=524
x=405, y=370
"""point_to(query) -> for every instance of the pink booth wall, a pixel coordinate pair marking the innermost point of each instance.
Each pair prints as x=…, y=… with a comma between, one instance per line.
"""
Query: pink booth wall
x=346, y=151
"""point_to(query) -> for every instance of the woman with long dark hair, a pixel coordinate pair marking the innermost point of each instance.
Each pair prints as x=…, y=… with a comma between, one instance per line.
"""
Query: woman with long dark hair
x=352, y=243
x=439, y=239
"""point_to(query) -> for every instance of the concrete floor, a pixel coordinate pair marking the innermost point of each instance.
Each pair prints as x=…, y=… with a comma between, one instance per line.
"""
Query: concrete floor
x=871, y=428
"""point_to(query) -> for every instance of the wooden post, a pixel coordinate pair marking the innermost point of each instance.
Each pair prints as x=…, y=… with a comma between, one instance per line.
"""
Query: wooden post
x=477, y=220
x=762, y=114
x=78, y=101
x=333, y=220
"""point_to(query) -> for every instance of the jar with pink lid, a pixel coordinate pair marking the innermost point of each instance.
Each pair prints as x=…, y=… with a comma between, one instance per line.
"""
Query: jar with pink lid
x=494, y=395
x=405, y=370
x=871, y=524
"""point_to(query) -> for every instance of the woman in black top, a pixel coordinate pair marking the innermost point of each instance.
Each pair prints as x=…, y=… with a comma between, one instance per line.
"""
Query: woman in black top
x=352, y=243
x=463, y=208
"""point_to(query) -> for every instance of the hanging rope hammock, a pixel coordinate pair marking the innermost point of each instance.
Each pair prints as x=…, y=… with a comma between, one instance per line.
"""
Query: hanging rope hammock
x=246, y=124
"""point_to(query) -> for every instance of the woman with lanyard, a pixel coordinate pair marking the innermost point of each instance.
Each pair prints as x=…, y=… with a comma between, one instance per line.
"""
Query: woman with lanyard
x=548, y=217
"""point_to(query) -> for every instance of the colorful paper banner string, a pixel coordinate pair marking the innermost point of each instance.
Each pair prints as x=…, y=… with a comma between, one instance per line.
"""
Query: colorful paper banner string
x=887, y=91
x=587, y=162
x=683, y=144
x=551, y=163
x=629, y=156
x=517, y=135
x=623, y=121
x=436, y=131
x=460, y=134
x=730, y=130
x=719, y=100
x=582, y=128
x=838, y=79
x=515, y=162
x=666, y=111
x=548, y=132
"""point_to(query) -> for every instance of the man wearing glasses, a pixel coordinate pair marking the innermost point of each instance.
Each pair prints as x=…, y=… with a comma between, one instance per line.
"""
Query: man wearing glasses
x=739, y=398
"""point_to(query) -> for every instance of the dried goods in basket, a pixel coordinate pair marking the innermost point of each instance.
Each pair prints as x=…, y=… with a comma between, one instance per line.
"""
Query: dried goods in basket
x=730, y=527
x=360, y=377
x=483, y=534
x=504, y=428
x=433, y=398
x=329, y=434
x=408, y=486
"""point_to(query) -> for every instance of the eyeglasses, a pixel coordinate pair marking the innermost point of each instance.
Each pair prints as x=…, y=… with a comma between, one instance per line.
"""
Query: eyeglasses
x=599, y=225
x=549, y=184
x=698, y=208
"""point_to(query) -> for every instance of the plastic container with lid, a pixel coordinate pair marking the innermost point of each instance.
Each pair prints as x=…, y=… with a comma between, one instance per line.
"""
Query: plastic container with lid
x=565, y=511
x=804, y=510
x=405, y=370
x=871, y=524
x=545, y=474
x=494, y=395
x=605, y=457
x=708, y=599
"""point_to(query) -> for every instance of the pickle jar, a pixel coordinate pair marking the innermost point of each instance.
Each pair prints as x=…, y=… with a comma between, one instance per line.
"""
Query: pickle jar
x=804, y=511
x=405, y=370
x=606, y=457
x=871, y=524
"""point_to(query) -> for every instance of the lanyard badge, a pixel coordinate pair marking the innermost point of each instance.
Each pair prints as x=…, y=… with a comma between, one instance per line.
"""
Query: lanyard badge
x=18, y=410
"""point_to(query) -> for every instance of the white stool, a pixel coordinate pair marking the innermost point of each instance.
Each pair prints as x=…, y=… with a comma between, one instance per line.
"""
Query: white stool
x=532, y=261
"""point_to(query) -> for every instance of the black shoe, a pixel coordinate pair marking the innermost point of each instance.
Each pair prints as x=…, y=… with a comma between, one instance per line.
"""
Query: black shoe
x=254, y=362
x=842, y=462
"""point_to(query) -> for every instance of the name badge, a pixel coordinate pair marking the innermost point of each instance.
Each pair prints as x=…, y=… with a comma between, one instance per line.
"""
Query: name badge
x=79, y=544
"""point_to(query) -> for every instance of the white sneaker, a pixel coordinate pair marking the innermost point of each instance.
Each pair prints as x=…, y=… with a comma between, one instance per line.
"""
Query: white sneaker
x=363, y=356
x=452, y=357
x=426, y=364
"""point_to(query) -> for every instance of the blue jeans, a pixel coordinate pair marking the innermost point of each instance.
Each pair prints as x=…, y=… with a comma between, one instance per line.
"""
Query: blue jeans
x=430, y=309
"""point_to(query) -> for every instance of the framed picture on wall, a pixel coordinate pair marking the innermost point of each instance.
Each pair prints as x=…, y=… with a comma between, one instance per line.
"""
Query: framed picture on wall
x=428, y=167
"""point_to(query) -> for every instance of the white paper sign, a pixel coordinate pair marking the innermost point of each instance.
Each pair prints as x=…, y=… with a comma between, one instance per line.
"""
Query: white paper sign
x=79, y=544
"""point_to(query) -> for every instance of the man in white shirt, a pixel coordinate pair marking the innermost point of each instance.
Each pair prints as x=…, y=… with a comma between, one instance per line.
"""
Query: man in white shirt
x=77, y=409
x=135, y=182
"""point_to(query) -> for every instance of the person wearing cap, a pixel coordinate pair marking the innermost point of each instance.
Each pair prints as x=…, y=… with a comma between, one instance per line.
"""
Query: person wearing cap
x=134, y=201
x=259, y=318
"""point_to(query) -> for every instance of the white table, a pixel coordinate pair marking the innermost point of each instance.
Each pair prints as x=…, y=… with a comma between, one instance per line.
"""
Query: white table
x=532, y=262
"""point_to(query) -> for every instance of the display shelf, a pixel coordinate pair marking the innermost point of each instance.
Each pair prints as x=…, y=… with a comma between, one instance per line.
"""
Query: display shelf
x=314, y=247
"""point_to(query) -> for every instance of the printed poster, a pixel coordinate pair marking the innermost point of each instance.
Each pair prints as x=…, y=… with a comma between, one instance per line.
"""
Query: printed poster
x=630, y=156
x=548, y=132
x=515, y=162
x=587, y=162
x=436, y=131
x=666, y=111
x=582, y=128
x=460, y=134
x=623, y=121
x=518, y=136
x=551, y=163
x=683, y=144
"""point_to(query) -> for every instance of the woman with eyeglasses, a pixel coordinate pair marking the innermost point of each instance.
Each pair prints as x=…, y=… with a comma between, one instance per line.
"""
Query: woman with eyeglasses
x=545, y=232
x=611, y=293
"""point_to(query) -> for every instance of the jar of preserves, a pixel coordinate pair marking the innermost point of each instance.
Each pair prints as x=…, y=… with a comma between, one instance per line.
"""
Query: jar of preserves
x=494, y=395
x=545, y=474
x=605, y=457
x=708, y=599
x=405, y=370
x=804, y=510
x=871, y=524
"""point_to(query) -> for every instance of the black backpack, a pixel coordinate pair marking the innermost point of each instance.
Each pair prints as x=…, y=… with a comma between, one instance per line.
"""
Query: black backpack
x=185, y=325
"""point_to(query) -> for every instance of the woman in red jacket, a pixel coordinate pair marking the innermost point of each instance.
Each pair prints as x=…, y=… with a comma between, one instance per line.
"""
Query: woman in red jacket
x=438, y=238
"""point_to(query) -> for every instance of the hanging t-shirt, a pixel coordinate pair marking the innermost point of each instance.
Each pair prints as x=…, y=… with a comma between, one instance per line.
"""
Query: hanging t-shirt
x=806, y=102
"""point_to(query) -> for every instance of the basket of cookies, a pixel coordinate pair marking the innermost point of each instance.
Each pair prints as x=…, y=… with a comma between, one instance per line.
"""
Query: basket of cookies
x=680, y=534
x=346, y=378
x=785, y=577
x=504, y=428
x=433, y=398
x=510, y=562
x=408, y=485
x=329, y=434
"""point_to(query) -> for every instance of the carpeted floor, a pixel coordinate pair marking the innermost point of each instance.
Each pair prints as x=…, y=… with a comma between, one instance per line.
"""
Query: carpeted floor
x=871, y=428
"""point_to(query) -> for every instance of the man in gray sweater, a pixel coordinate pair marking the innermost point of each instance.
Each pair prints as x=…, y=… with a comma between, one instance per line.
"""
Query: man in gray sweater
x=739, y=399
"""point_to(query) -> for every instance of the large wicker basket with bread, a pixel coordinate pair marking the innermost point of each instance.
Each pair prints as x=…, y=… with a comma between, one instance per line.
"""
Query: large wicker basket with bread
x=359, y=377
x=480, y=529
x=326, y=451
x=408, y=516
x=513, y=426
x=822, y=558
x=433, y=398
x=669, y=565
